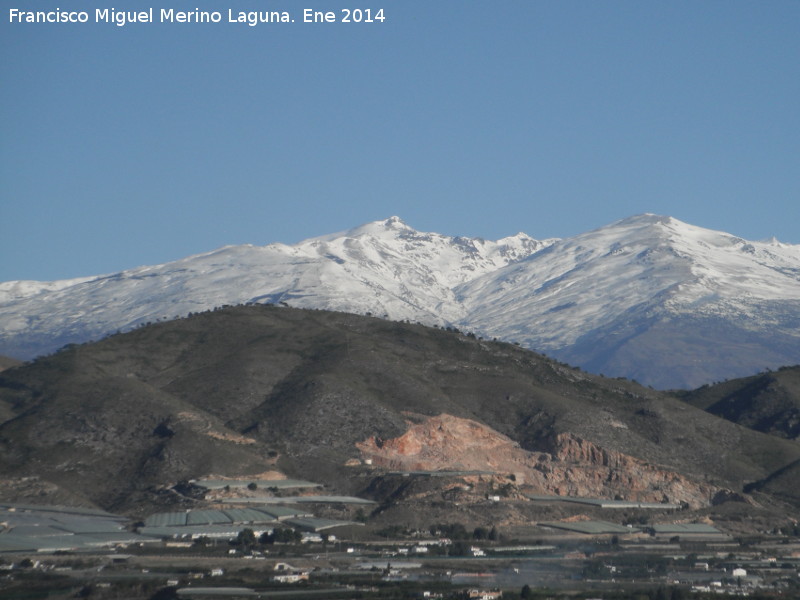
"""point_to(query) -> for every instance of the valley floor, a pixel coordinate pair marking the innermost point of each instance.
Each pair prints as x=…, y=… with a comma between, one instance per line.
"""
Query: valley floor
x=356, y=563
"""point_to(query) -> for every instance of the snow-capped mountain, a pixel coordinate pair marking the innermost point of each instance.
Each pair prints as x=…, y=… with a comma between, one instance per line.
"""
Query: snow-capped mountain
x=385, y=268
x=648, y=297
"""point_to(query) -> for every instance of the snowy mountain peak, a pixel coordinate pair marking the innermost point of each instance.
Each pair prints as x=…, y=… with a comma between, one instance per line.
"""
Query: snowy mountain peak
x=392, y=225
x=685, y=243
x=628, y=298
x=646, y=219
x=645, y=227
x=390, y=228
x=384, y=268
x=395, y=222
x=588, y=297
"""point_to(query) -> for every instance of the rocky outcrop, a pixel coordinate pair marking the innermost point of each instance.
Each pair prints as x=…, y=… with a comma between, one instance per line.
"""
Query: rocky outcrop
x=571, y=466
x=569, y=448
x=443, y=443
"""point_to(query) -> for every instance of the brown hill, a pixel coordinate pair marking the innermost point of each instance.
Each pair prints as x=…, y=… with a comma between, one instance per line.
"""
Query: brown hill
x=244, y=390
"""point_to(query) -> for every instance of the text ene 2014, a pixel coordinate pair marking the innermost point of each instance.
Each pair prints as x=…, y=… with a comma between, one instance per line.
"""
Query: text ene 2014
x=348, y=15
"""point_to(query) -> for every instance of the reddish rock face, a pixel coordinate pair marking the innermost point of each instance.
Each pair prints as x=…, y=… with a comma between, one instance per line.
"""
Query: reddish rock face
x=573, y=467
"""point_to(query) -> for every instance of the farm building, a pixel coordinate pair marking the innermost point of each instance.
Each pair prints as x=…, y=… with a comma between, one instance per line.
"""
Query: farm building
x=687, y=531
x=218, y=524
x=590, y=527
x=28, y=528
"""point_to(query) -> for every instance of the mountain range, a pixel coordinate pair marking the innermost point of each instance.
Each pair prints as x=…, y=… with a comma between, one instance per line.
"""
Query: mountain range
x=355, y=403
x=649, y=297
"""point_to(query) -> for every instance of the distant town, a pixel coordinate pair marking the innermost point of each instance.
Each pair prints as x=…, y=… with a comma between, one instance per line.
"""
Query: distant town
x=294, y=543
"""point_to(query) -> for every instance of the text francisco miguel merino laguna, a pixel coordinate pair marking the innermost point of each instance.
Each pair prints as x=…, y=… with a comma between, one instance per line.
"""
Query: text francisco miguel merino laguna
x=170, y=15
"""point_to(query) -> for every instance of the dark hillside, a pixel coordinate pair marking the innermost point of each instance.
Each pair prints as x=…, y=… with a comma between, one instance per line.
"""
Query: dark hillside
x=6, y=362
x=243, y=390
x=767, y=402
x=781, y=485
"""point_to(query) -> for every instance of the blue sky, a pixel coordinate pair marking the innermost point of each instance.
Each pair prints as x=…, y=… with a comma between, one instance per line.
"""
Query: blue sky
x=124, y=146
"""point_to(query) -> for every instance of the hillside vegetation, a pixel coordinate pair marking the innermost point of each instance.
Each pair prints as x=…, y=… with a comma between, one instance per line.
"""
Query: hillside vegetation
x=244, y=390
x=768, y=402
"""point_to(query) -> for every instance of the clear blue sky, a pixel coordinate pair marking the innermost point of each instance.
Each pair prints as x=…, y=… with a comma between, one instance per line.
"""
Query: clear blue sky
x=124, y=146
